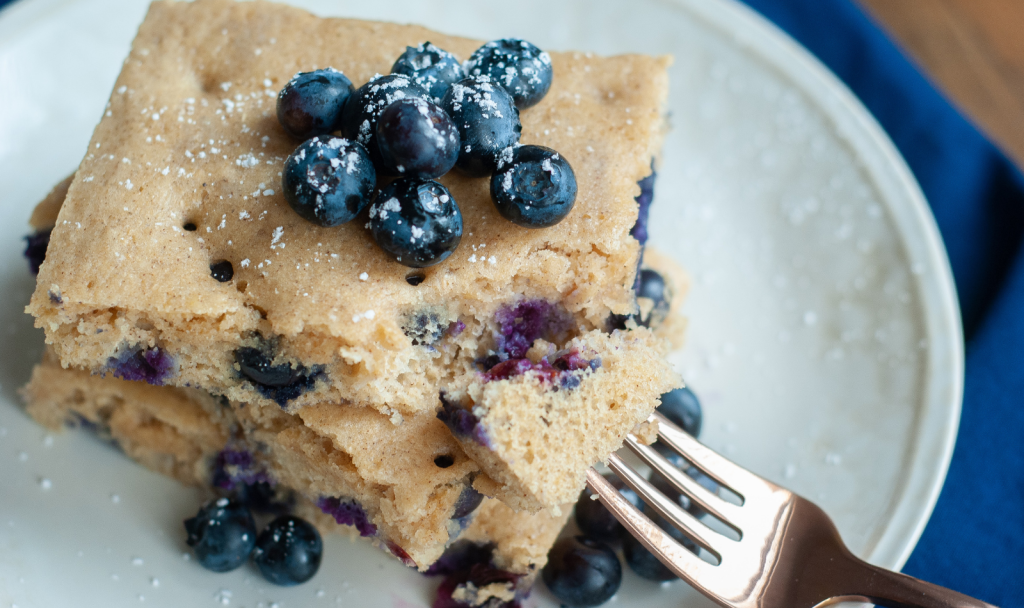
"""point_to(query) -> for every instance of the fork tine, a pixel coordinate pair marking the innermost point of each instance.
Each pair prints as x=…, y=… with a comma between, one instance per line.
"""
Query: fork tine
x=719, y=468
x=709, y=501
x=683, y=562
x=668, y=509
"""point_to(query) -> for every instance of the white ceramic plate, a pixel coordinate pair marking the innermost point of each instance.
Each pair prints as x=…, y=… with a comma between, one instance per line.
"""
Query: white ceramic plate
x=825, y=338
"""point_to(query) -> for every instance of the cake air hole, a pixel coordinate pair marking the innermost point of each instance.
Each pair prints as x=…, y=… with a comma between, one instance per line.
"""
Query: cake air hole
x=444, y=461
x=189, y=226
x=241, y=286
x=415, y=278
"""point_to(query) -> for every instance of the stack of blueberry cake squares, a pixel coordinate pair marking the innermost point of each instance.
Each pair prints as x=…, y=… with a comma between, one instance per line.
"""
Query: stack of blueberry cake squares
x=209, y=311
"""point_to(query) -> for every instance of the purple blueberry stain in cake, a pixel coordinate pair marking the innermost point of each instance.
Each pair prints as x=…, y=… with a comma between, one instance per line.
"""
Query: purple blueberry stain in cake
x=562, y=372
x=460, y=556
x=639, y=230
x=520, y=325
x=347, y=512
x=234, y=468
x=35, y=249
x=456, y=328
x=468, y=502
x=571, y=360
x=151, y=365
x=462, y=422
x=511, y=368
x=477, y=576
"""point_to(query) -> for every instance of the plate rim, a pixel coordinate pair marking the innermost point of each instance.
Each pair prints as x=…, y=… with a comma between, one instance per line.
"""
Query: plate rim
x=938, y=411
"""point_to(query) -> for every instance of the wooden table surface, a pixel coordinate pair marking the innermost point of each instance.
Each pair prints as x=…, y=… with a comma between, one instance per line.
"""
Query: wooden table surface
x=973, y=50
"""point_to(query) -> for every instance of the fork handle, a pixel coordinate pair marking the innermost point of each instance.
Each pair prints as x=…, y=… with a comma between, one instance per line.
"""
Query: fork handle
x=896, y=590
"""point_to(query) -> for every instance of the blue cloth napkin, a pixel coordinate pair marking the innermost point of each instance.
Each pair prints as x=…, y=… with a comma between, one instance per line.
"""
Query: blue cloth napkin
x=974, y=542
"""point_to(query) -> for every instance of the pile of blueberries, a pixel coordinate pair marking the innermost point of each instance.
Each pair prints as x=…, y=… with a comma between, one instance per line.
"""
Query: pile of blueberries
x=585, y=570
x=430, y=114
x=223, y=537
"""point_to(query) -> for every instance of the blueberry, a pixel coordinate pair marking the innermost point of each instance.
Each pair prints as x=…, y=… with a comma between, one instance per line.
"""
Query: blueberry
x=222, y=271
x=416, y=221
x=681, y=499
x=280, y=383
x=682, y=407
x=222, y=535
x=582, y=572
x=329, y=180
x=364, y=107
x=468, y=502
x=643, y=563
x=262, y=497
x=597, y=522
x=657, y=301
x=311, y=103
x=643, y=201
x=487, y=120
x=433, y=69
x=651, y=285
x=536, y=189
x=258, y=367
x=35, y=249
x=288, y=551
x=520, y=67
x=416, y=138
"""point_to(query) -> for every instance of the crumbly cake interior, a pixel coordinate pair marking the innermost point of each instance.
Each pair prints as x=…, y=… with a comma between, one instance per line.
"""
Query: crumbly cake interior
x=190, y=140
x=398, y=485
x=536, y=443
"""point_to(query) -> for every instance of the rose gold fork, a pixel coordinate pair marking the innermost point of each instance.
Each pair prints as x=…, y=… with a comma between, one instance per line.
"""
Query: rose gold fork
x=788, y=555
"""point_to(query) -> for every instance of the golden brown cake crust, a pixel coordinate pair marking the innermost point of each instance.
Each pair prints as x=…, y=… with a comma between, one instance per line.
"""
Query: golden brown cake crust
x=191, y=135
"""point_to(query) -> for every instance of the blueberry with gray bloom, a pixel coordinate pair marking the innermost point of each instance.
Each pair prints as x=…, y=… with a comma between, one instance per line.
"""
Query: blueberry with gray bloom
x=488, y=124
x=288, y=551
x=311, y=103
x=582, y=572
x=416, y=138
x=416, y=222
x=329, y=180
x=364, y=107
x=536, y=189
x=222, y=534
x=521, y=68
x=433, y=69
